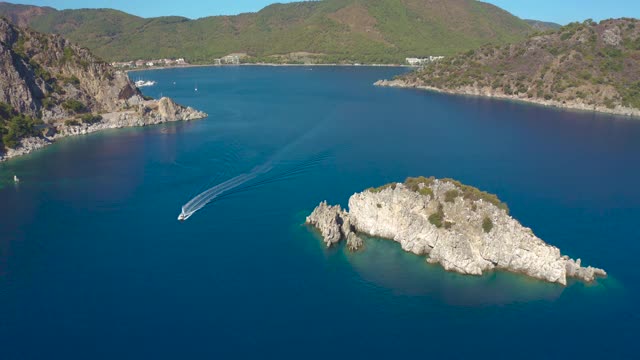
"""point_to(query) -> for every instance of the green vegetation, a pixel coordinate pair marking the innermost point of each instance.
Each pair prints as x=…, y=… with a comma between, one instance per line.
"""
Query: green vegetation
x=72, y=122
x=451, y=195
x=72, y=80
x=475, y=194
x=487, y=224
x=437, y=218
x=380, y=188
x=631, y=95
x=414, y=184
x=67, y=55
x=74, y=106
x=90, y=119
x=366, y=31
x=580, y=64
x=15, y=126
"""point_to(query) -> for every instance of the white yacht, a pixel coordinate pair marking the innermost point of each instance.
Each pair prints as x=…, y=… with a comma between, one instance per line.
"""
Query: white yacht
x=142, y=83
x=15, y=179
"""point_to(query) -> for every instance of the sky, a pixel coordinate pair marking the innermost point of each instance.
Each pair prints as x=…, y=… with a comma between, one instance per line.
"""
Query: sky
x=559, y=11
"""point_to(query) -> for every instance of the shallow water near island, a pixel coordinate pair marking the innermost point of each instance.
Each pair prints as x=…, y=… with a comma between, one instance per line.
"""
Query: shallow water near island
x=94, y=264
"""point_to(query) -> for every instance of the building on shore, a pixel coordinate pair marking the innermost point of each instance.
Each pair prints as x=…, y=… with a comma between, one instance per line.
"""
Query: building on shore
x=423, y=61
x=149, y=63
x=231, y=59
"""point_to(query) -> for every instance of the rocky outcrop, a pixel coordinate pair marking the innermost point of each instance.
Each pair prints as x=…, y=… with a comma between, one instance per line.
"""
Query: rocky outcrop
x=149, y=112
x=67, y=91
x=40, y=74
x=335, y=225
x=461, y=228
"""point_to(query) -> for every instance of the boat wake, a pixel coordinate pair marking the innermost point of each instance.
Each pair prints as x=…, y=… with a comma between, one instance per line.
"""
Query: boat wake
x=202, y=199
x=244, y=182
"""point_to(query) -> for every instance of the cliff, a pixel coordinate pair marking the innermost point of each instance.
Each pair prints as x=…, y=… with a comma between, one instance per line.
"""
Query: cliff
x=585, y=66
x=460, y=227
x=50, y=88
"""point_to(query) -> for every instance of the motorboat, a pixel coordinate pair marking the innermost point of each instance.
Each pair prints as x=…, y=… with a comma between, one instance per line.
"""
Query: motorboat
x=183, y=216
x=142, y=83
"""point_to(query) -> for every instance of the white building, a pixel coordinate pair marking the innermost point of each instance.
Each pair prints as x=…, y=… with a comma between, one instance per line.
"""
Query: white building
x=423, y=61
x=231, y=59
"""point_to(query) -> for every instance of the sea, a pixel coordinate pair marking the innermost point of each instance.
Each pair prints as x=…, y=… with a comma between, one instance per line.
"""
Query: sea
x=95, y=265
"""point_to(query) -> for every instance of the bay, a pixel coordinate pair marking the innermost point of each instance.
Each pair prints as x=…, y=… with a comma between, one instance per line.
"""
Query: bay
x=94, y=264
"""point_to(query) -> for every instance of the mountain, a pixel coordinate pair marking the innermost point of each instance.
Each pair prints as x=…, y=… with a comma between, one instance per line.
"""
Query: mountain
x=369, y=31
x=50, y=87
x=543, y=25
x=591, y=66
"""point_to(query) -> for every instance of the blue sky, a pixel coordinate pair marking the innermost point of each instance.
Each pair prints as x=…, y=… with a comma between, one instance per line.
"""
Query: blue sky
x=560, y=11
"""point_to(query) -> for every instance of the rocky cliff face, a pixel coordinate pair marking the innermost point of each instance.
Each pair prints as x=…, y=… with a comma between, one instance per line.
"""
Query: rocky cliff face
x=47, y=79
x=41, y=75
x=459, y=227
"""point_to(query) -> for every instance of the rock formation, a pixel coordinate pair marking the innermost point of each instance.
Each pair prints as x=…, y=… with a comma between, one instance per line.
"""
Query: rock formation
x=65, y=90
x=463, y=229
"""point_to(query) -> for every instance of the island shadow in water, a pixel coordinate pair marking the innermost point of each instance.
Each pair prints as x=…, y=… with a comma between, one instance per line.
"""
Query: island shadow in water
x=384, y=263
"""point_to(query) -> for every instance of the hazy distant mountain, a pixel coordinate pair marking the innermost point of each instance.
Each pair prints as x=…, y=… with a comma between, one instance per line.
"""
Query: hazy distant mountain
x=350, y=30
x=543, y=25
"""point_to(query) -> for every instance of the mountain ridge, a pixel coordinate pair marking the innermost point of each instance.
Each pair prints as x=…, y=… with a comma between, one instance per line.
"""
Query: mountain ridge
x=382, y=31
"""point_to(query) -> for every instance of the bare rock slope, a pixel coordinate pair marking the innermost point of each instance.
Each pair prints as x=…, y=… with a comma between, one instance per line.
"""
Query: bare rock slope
x=50, y=88
x=460, y=227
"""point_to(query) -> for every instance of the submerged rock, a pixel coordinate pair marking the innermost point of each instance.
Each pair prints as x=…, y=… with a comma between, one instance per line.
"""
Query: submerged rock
x=460, y=227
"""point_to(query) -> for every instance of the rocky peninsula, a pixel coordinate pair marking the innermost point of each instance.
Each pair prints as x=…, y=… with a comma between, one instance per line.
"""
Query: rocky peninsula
x=51, y=88
x=147, y=112
x=583, y=66
x=458, y=226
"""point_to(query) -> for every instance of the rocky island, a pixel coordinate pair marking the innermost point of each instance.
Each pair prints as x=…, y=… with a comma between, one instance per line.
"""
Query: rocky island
x=51, y=88
x=458, y=226
x=584, y=66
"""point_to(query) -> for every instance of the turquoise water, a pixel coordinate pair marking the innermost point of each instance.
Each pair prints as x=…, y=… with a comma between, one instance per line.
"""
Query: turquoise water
x=94, y=264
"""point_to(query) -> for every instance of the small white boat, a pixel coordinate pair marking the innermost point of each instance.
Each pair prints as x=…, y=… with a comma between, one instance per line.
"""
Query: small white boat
x=183, y=216
x=142, y=83
x=15, y=179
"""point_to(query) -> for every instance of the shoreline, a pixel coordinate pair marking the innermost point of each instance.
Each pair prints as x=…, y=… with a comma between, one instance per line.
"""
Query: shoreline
x=470, y=91
x=114, y=120
x=266, y=65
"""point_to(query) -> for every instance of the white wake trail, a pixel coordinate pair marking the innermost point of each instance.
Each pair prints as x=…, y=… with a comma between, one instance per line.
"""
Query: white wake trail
x=202, y=199
x=207, y=196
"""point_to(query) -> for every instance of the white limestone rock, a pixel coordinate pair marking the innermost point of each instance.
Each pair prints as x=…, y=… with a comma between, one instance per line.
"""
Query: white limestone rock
x=335, y=225
x=401, y=213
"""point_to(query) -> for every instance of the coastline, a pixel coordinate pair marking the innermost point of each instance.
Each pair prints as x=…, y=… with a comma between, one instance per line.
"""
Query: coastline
x=489, y=93
x=265, y=65
x=114, y=120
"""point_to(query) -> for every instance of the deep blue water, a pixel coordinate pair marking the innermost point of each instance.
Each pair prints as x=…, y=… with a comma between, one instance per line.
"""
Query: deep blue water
x=94, y=264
